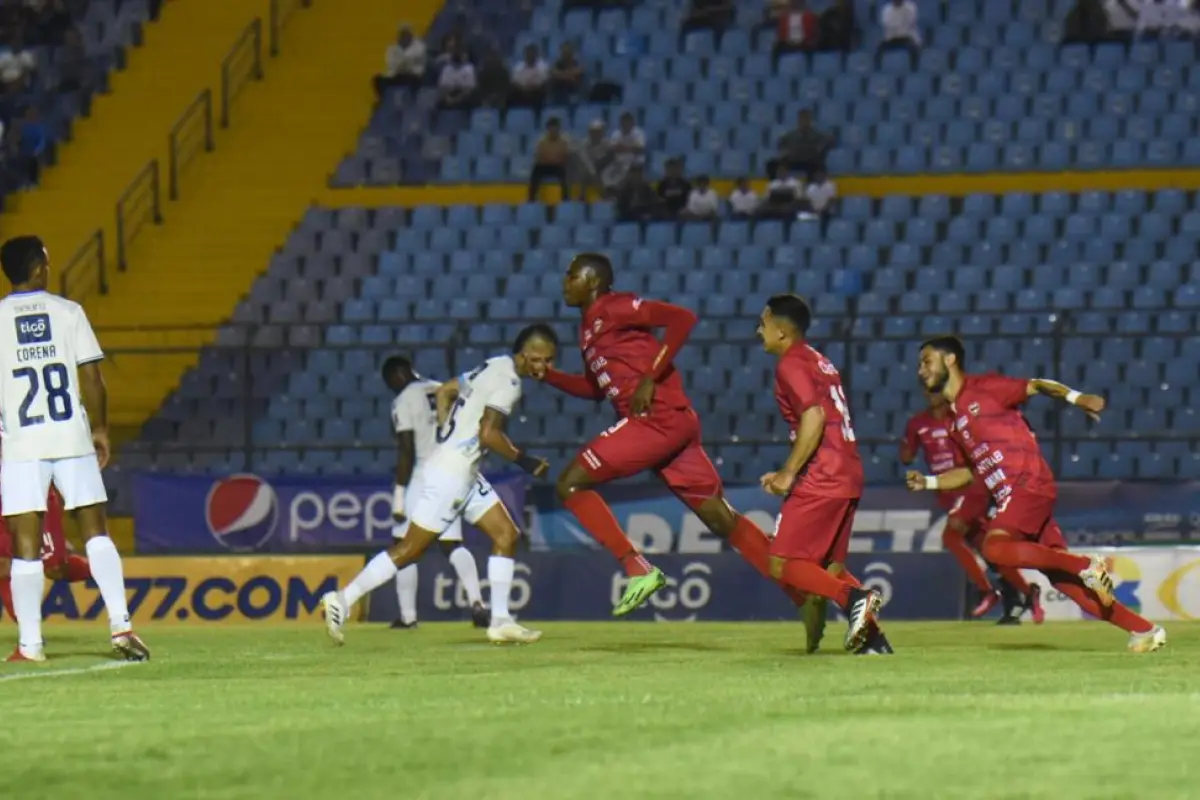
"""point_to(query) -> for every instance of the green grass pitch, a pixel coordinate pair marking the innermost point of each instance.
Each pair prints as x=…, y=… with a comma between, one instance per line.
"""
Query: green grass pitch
x=604, y=711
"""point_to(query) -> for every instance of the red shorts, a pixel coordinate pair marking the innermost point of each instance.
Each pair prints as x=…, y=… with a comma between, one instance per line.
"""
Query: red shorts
x=54, y=543
x=814, y=527
x=1025, y=515
x=968, y=512
x=668, y=443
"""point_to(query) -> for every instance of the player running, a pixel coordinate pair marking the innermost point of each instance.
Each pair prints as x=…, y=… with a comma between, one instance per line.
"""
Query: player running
x=414, y=419
x=657, y=427
x=59, y=563
x=472, y=412
x=822, y=479
x=55, y=428
x=1004, y=455
x=929, y=432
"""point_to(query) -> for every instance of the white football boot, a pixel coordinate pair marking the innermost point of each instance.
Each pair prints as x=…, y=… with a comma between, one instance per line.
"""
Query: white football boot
x=507, y=631
x=333, y=606
x=1148, y=642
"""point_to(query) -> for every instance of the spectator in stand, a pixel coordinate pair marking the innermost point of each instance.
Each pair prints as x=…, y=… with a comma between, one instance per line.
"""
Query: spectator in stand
x=798, y=30
x=714, y=15
x=404, y=64
x=494, y=84
x=636, y=200
x=703, y=204
x=673, y=189
x=901, y=29
x=839, y=27
x=804, y=148
x=16, y=62
x=821, y=195
x=783, y=195
x=456, y=84
x=530, y=79
x=595, y=162
x=457, y=38
x=566, y=76
x=743, y=200
x=550, y=160
x=74, y=66
x=629, y=146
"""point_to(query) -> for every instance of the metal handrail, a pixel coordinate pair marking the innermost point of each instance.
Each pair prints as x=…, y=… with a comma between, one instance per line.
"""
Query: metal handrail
x=279, y=19
x=90, y=253
x=200, y=108
x=250, y=41
x=128, y=225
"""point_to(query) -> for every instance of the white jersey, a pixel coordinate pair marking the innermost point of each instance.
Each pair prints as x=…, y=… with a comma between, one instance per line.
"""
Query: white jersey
x=415, y=409
x=43, y=339
x=494, y=384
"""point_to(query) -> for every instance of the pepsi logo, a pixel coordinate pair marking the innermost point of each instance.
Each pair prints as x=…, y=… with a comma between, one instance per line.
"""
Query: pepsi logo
x=241, y=511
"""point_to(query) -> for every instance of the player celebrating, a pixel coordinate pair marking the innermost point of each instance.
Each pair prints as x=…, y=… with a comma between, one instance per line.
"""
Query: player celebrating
x=1004, y=455
x=55, y=418
x=472, y=412
x=414, y=419
x=59, y=563
x=657, y=430
x=822, y=479
x=967, y=509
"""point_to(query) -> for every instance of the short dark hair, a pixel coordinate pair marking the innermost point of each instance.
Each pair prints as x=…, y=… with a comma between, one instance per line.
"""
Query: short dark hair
x=20, y=256
x=538, y=330
x=393, y=363
x=948, y=345
x=598, y=263
x=793, y=308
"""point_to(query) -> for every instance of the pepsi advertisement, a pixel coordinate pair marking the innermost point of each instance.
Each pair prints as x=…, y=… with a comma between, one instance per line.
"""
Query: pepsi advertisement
x=586, y=586
x=248, y=513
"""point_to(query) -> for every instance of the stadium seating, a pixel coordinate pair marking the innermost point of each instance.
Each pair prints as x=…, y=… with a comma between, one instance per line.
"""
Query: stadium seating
x=1100, y=289
x=1001, y=96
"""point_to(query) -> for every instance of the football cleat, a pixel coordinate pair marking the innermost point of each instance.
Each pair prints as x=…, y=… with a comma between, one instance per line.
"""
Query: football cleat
x=20, y=655
x=986, y=603
x=861, y=611
x=1010, y=619
x=1096, y=578
x=333, y=607
x=400, y=624
x=640, y=589
x=480, y=616
x=1149, y=641
x=129, y=646
x=876, y=644
x=507, y=631
x=1033, y=604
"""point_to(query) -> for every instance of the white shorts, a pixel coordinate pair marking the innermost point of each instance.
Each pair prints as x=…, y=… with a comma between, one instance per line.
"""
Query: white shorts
x=453, y=532
x=25, y=484
x=445, y=498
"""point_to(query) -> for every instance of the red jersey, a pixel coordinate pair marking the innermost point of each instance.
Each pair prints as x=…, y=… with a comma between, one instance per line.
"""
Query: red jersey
x=932, y=436
x=619, y=349
x=804, y=378
x=997, y=440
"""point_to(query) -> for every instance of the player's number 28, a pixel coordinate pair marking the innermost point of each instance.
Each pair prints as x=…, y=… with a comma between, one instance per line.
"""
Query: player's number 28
x=58, y=397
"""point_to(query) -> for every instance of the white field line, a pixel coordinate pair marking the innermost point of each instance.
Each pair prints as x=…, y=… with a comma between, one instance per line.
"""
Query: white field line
x=59, y=673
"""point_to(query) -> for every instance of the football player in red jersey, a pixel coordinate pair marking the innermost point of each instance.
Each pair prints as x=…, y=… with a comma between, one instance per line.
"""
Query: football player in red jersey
x=1004, y=455
x=928, y=432
x=657, y=428
x=59, y=563
x=822, y=479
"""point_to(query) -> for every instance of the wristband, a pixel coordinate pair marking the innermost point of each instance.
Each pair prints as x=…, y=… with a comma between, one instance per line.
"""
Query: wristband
x=931, y=483
x=398, y=499
x=527, y=462
x=1073, y=396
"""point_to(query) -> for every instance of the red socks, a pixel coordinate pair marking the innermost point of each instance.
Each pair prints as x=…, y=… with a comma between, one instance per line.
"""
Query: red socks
x=814, y=579
x=956, y=544
x=1015, y=579
x=754, y=546
x=1116, y=614
x=76, y=568
x=1005, y=552
x=598, y=520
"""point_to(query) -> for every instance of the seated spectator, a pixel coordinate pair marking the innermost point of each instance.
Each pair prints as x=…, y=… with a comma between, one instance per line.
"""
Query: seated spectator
x=821, y=195
x=798, y=30
x=74, y=65
x=594, y=163
x=16, y=62
x=901, y=30
x=629, y=145
x=839, y=27
x=404, y=64
x=743, y=200
x=529, y=80
x=673, y=189
x=457, y=38
x=804, y=148
x=456, y=84
x=636, y=200
x=703, y=204
x=566, y=76
x=550, y=160
x=715, y=15
x=783, y=195
x=1086, y=23
x=494, y=84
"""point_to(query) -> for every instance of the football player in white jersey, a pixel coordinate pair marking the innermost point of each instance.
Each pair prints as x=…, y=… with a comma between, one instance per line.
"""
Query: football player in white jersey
x=54, y=423
x=414, y=419
x=472, y=412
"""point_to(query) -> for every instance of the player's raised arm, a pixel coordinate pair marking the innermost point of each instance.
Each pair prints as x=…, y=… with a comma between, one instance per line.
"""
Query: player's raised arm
x=493, y=437
x=948, y=481
x=1092, y=404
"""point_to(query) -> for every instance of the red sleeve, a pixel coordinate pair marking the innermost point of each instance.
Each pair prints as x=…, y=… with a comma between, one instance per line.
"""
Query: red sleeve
x=575, y=385
x=1010, y=392
x=677, y=321
x=911, y=442
x=798, y=384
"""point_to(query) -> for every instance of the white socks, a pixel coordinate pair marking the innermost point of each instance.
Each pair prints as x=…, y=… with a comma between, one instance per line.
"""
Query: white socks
x=500, y=577
x=468, y=573
x=406, y=593
x=28, y=586
x=105, y=563
x=378, y=571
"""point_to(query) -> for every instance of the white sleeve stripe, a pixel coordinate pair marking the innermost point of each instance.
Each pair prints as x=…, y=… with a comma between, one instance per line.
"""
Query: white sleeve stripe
x=90, y=360
x=502, y=410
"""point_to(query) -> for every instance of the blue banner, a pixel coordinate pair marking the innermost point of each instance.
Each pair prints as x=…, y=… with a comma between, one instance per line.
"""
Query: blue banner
x=586, y=586
x=282, y=514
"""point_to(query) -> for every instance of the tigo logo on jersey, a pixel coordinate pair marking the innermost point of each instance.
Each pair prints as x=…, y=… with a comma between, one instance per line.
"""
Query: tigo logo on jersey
x=241, y=511
x=33, y=329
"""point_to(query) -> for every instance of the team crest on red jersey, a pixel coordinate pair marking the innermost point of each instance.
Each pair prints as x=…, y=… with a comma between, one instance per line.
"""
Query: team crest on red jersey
x=974, y=409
